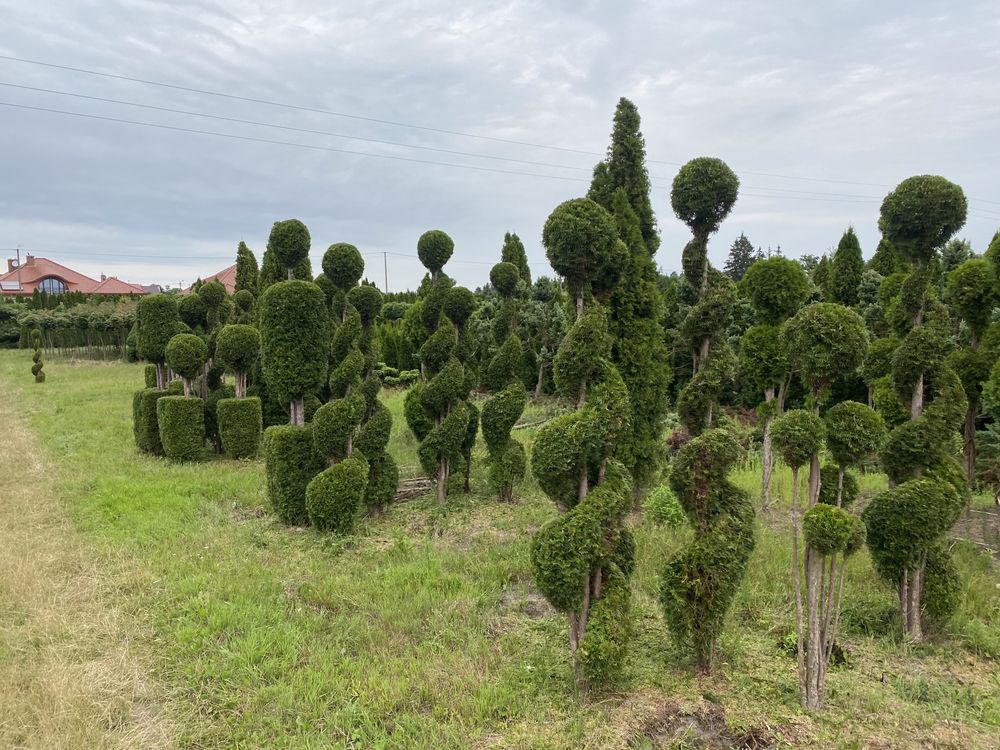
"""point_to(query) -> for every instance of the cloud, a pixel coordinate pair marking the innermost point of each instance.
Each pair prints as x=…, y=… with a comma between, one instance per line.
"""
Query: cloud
x=856, y=92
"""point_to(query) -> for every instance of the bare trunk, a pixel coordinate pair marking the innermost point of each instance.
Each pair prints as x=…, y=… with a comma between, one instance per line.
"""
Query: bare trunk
x=914, y=627
x=579, y=305
x=917, y=401
x=582, y=487
x=161, y=376
x=814, y=480
x=970, y=446
x=297, y=412
x=797, y=585
x=541, y=380
x=241, y=384
x=291, y=274
x=813, y=648
x=187, y=386
x=840, y=486
x=767, y=456
x=442, y=481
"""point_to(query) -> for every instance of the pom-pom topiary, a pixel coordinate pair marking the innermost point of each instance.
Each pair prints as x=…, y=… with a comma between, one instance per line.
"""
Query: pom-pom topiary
x=36, y=357
x=186, y=354
x=434, y=248
x=580, y=241
x=237, y=348
x=703, y=193
x=157, y=319
x=181, y=421
x=504, y=278
x=289, y=244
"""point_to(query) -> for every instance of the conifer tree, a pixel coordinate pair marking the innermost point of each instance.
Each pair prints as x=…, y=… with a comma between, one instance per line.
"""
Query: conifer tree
x=513, y=252
x=699, y=582
x=846, y=269
x=924, y=500
x=36, y=357
x=741, y=256
x=246, y=269
x=886, y=261
x=583, y=558
x=821, y=277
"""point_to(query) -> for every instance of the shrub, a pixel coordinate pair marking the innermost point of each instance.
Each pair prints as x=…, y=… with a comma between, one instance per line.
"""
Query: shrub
x=145, y=427
x=186, y=355
x=182, y=427
x=335, y=495
x=289, y=243
x=662, y=508
x=434, y=248
x=828, y=529
x=290, y=463
x=157, y=319
x=240, y=423
x=237, y=349
x=36, y=358
x=216, y=395
x=149, y=376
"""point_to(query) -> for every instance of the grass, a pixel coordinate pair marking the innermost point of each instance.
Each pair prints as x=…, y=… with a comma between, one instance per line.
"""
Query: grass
x=423, y=630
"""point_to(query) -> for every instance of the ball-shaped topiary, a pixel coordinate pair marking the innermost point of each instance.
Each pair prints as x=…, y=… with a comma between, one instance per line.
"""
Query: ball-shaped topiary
x=186, y=354
x=240, y=423
x=434, y=248
x=921, y=214
x=192, y=310
x=825, y=342
x=213, y=294
x=237, y=348
x=778, y=287
x=854, y=432
x=703, y=193
x=828, y=529
x=181, y=421
x=157, y=319
x=343, y=265
x=798, y=435
x=289, y=243
x=580, y=238
x=459, y=304
x=367, y=300
x=334, y=496
x=972, y=294
x=244, y=300
x=505, y=277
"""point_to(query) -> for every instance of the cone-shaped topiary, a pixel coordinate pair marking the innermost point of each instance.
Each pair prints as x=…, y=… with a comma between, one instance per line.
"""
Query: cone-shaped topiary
x=905, y=522
x=246, y=271
x=157, y=319
x=846, y=269
x=507, y=461
x=583, y=558
x=36, y=357
x=181, y=421
x=698, y=584
x=186, y=355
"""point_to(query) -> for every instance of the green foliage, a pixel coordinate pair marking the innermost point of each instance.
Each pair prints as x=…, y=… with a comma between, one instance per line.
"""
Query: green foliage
x=825, y=342
x=878, y=360
x=343, y=265
x=778, y=287
x=972, y=293
x=507, y=458
x=580, y=241
x=846, y=269
x=335, y=422
x=742, y=256
x=763, y=361
x=513, y=252
x=294, y=331
x=887, y=261
x=213, y=294
x=703, y=193
x=246, y=270
x=822, y=277
x=157, y=317
x=240, y=423
x=662, y=508
x=145, y=427
x=854, y=432
x=828, y=529
x=582, y=353
x=186, y=355
x=334, y=497
x=828, y=486
x=149, y=376
x=920, y=214
x=181, y=421
x=289, y=243
x=942, y=586
x=434, y=248
x=192, y=310
x=237, y=347
x=367, y=300
x=505, y=277
x=797, y=435
x=699, y=582
x=459, y=304
x=217, y=393
x=290, y=463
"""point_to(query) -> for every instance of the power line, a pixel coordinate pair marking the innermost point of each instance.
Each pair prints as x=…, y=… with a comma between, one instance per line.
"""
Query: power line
x=394, y=123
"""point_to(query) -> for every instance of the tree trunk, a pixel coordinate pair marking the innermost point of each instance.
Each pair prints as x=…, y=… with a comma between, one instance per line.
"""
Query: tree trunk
x=161, y=376
x=187, y=386
x=814, y=478
x=541, y=380
x=797, y=585
x=442, y=481
x=767, y=455
x=297, y=412
x=579, y=305
x=969, y=448
x=813, y=641
x=840, y=486
x=917, y=402
x=291, y=274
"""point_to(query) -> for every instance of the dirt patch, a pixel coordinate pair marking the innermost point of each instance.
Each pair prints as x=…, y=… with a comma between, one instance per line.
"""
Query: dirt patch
x=518, y=597
x=243, y=514
x=673, y=725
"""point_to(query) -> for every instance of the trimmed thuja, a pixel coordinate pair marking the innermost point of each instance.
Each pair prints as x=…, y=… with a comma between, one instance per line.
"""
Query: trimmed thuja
x=181, y=419
x=907, y=522
x=295, y=346
x=36, y=357
x=437, y=410
x=239, y=419
x=157, y=319
x=826, y=342
x=583, y=558
x=502, y=410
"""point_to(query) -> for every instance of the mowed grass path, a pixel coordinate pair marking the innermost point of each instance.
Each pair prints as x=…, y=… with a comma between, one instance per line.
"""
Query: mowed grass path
x=423, y=629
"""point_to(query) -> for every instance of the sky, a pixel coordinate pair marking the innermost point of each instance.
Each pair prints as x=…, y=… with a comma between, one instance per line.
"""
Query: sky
x=474, y=118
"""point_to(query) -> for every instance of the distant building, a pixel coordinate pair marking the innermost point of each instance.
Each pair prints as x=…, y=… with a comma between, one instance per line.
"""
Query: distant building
x=227, y=277
x=54, y=278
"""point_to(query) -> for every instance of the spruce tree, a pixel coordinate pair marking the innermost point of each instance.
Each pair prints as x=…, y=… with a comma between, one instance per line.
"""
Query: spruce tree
x=639, y=351
x=246, y=269
x=741, y=256
x=822, y=276
x=846, y=269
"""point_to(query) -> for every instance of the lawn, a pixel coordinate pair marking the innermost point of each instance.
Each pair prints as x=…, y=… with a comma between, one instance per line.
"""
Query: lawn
x=423, y=629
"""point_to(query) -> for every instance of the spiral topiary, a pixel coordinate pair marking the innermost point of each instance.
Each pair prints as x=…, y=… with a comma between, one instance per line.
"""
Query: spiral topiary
x=905, y=522
x=698, y=583
x=583, y=558
x=36, y=356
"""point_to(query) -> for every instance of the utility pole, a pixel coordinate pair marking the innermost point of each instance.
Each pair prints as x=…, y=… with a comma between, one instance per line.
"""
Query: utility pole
x=385, y=266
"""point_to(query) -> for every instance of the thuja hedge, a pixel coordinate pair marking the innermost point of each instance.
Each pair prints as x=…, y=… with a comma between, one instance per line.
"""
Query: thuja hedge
x=181, y=421
x=240, y=423
x=290, y=463
x=144, y=425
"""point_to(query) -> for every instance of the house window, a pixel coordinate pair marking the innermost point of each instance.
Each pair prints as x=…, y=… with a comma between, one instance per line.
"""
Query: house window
x=52, y=285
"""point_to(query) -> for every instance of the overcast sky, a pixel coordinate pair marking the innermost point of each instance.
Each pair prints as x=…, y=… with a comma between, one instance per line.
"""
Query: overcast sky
x=819, y=110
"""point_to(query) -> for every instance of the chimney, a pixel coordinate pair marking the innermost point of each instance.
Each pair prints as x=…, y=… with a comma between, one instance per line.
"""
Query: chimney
x=103, y=277
x=11, y=264
x=29, y=260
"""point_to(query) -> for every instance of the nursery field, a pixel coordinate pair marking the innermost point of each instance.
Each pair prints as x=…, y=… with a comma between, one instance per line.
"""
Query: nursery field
x=151, y=604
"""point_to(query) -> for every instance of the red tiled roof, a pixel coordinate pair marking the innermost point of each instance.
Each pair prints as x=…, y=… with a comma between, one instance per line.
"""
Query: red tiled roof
x=35, y=270
x=227, y=276
x=112, y=285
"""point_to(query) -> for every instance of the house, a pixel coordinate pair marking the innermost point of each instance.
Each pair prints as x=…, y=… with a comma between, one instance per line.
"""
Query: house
x=54, y=278
x=227, y=277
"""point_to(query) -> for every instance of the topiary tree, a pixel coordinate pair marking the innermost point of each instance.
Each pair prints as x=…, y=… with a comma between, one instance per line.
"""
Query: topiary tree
x=777, y=288
x=886, y=261
x=246, y=270
x=186, y=354
x=905, y=522
x=699, y=583
x=704, y=192
x=181, y=421
x=244, y=306
x=213, y=294
x=507, y=461
x=289, y=243
x=36, y=357
x=192, y=311
x=240, y=419
x=157, y=318
x=583, y=558
x=513, y=252
x=854, y=433
x=846, y=270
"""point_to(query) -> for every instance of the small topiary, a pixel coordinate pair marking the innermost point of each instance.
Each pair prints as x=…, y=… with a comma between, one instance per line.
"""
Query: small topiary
x=828, y=529
x=237, y=348
x=145, y=427
x=149, y=376
x=157, y=319
x=854, y=432
x=336, y=494
x=186, y=354
x=434, y=248
x=289, y=243
x=290, y=463
x=36, y=357
x=217, y=394
x=181, y=421
x=240, y=423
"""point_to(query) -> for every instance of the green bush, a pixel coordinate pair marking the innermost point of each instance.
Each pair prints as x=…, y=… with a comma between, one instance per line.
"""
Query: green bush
x=334, y=497
x=237, y=347
x=434, y=248
x=662, y=508
x=289, y=243
x=149, y=376
x=145, y=427
x=343, y=265
x=240, y=424
x=703, y=193
x=216, y=395
x=504, y=277
x=828, y=529
x=186, y=355
x=157, y=317
x=797, y=435
x=182, y=427
x=828, y=486
x=290, y=463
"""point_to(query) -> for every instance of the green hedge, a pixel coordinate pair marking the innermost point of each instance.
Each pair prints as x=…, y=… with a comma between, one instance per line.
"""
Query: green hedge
x=145, y=427
x=182, y=427
x=240, y=424
x=290, y=463
x=334, y=497
x=149, y=373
